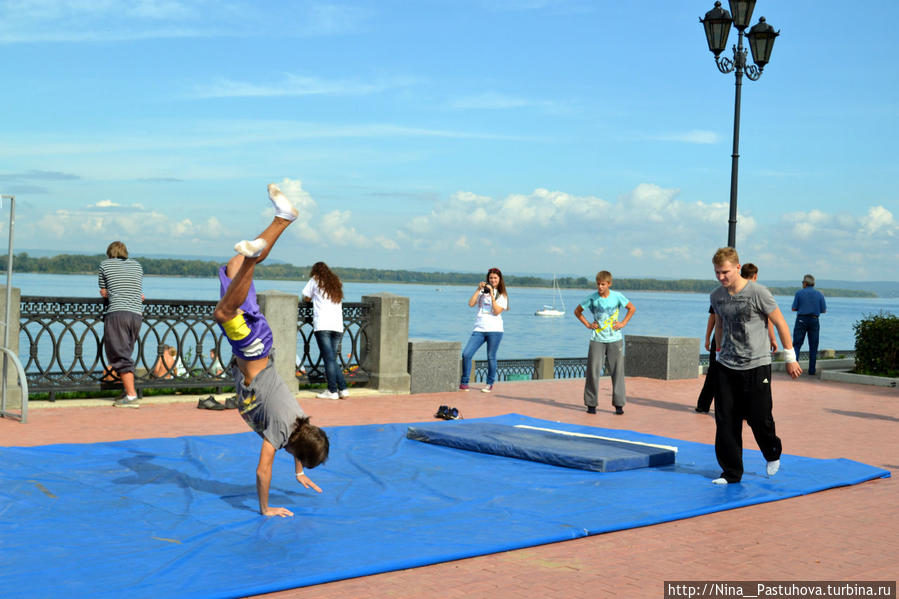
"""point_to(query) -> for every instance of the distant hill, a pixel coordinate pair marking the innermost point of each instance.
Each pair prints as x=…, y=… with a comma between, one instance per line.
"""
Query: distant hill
x=87, y=264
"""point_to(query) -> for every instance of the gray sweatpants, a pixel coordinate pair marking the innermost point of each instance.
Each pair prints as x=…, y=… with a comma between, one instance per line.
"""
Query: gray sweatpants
x=596, y=356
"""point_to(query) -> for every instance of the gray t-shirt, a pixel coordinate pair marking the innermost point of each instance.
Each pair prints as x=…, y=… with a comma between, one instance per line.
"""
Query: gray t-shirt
x=267, y=406
x=744, y=325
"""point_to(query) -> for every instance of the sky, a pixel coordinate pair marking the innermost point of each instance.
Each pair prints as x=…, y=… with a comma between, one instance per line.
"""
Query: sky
x=537, y=136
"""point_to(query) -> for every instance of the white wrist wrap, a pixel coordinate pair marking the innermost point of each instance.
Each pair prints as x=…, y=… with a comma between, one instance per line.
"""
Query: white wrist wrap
x=300, y=473
x=789, y=355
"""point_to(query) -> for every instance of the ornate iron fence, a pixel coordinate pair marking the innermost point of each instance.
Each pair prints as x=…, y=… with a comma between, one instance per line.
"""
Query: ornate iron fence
x=570, y=368
x=310, y=366
x=62, y=338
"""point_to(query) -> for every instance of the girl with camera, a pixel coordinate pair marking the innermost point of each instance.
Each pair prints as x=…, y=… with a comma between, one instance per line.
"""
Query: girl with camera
x=491, y=300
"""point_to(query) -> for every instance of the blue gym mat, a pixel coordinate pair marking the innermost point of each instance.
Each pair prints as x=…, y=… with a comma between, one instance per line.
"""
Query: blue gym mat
x=549, y=446
x=178, y=517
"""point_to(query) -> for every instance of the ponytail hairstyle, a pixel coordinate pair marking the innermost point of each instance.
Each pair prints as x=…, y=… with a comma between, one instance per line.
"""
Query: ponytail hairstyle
x=501, y=287
x=327, y=281
x=308, y=443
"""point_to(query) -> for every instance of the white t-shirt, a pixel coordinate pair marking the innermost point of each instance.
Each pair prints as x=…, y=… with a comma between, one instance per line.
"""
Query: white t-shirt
x=326, y=315
x=486, y=321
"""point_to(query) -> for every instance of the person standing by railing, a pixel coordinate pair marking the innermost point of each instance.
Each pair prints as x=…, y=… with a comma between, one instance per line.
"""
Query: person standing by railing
x=325, y=291
x=809, y=304
x=121, y=285
x=491, y=300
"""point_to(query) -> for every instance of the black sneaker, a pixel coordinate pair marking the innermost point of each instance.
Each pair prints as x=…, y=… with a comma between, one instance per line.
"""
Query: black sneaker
x=442, y=413
x=591, y=409
x=453, y=414
x=619, y=410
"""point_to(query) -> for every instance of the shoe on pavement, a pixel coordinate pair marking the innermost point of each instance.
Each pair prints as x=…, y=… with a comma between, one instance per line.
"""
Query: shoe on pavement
x=127, y=402
x=209, y=403
x=591, y=409
x=327, y=395
x=487, y=389
x=463, y=387
x=343, y=393
x=619, y=410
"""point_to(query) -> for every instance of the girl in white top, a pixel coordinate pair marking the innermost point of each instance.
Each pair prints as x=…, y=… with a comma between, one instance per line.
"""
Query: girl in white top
x=325, y=291
x=491, y=300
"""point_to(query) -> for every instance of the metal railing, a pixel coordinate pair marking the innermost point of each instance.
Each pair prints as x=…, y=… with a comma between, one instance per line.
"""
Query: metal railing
x=524, y=369
x=63, y=340
x=311, y=368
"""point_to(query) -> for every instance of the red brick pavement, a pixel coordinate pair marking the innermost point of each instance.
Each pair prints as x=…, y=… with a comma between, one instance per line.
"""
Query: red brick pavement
x=840, y=534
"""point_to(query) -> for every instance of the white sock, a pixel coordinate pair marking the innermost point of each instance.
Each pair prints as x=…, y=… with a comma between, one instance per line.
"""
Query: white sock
x=773, y=467
x=250, y=249
x=719, y=481
x=283, y=208
x=130, y=397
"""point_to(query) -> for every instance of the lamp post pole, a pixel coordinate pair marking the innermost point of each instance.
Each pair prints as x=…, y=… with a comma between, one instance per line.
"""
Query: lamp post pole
x=717, y=25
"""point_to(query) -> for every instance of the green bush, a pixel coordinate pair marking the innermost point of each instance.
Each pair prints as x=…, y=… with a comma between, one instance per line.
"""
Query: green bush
x=877, y=344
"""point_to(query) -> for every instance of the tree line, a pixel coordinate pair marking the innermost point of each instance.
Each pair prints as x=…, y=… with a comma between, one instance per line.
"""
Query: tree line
x=172, y=267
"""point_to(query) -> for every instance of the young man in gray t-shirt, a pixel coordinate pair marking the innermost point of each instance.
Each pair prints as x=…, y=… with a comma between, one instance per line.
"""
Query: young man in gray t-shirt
x=742, y=312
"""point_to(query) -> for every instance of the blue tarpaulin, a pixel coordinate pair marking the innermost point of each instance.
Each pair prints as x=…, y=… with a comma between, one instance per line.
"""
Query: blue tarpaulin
x=178, y=517
x=547, y=445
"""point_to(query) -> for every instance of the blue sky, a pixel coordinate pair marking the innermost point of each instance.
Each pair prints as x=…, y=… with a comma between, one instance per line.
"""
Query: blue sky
x=534, y=135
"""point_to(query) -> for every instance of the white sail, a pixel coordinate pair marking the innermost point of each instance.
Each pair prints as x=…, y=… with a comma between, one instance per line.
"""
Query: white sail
x=548, y=310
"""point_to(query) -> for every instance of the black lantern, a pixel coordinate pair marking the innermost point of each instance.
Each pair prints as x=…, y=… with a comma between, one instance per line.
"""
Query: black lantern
x=717, y=27
x=761, y=42
x=742, y=12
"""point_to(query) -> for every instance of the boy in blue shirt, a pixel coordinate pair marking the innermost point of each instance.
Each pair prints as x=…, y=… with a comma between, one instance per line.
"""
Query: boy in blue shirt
x=606, y=342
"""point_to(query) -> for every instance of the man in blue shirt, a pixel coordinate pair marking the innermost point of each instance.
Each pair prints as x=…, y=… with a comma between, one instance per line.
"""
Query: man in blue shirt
x=809, y=305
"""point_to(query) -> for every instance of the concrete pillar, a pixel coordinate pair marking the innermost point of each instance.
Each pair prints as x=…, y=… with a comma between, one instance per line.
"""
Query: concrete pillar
x=13, y=390
x=544, y=367
x=388, y=338
x=434, y=366
x=664, y=358
x=280, y=310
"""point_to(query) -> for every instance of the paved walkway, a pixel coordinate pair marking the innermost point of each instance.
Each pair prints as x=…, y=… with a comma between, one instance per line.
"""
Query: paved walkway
x=841, y=534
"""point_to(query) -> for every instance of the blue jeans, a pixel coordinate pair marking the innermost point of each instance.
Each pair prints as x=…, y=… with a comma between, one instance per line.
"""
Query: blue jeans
x=810, y=325
x=328, y=343
x=476, y=340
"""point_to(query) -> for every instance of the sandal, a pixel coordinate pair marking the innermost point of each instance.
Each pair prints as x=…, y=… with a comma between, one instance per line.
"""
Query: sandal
x=209, y=403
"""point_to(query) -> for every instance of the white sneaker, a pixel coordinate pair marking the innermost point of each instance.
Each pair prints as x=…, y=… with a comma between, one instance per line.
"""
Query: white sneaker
x=327, y=395
x=250, y=249
x=772, y=467
x=343, y=393
x=283, y=208
x=487, y=389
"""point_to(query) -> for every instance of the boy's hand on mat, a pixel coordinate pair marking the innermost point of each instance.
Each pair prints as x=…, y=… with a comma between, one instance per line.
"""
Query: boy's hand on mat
x=277, y=511
x=307, y=482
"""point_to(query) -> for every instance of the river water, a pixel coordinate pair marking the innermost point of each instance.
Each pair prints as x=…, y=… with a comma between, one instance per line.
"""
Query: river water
x=442, y=312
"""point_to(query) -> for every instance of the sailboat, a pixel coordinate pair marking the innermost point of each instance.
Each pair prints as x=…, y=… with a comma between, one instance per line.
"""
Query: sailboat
x=552, y=310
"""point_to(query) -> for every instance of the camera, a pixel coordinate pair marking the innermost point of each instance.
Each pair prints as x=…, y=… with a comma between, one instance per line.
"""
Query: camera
x=485, y=289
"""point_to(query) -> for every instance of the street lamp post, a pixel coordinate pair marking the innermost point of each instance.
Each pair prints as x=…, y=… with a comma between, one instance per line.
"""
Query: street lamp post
x=761, y=36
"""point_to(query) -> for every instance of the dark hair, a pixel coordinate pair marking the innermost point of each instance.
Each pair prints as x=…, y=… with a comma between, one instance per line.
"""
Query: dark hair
x=501, y=287
x=308, y=443
x=749, y=270
x=329, y=282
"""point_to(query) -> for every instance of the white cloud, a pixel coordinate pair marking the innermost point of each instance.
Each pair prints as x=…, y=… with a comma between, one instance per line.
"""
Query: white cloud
x=879, y=220
x=30, y=21
x=695, y=136
x=291, y=85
